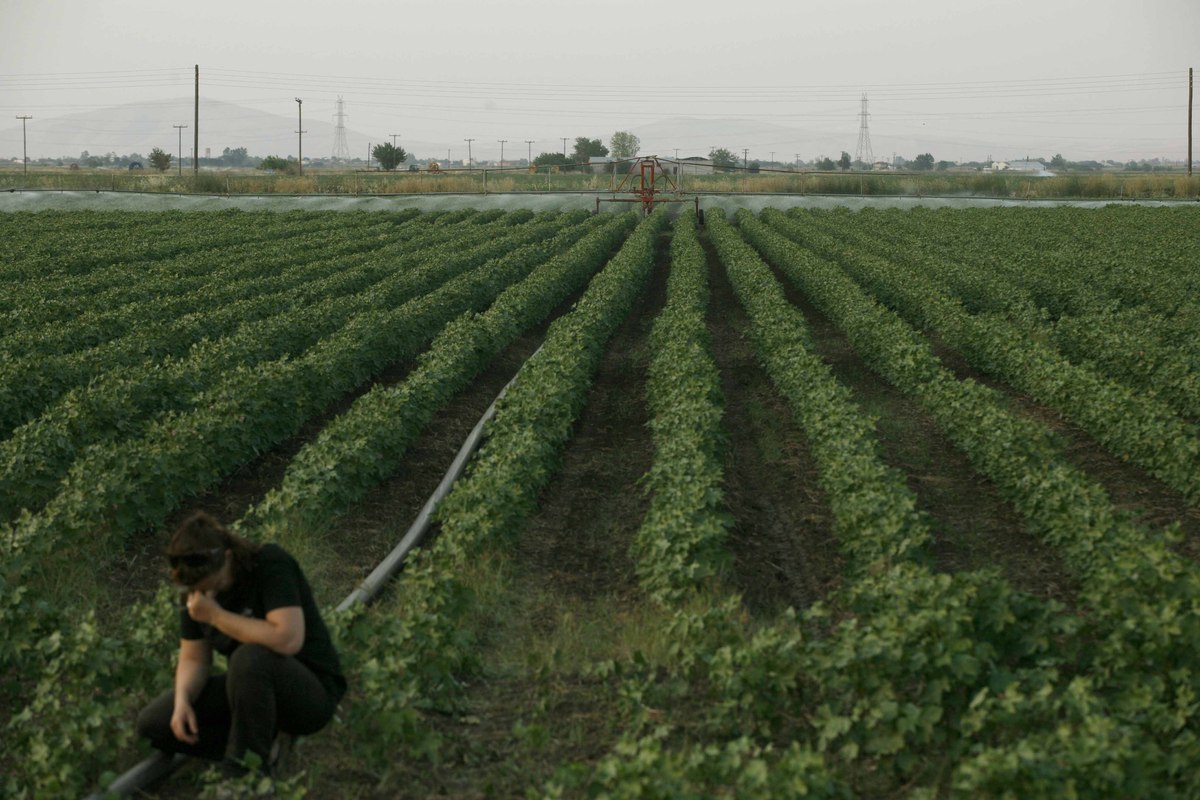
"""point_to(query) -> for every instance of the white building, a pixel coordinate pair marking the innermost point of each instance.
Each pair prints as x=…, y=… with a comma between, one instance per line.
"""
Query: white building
x=694, y=165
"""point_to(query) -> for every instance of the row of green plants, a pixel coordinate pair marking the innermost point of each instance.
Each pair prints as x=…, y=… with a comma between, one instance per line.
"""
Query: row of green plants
x=33, y=381
x=411, y=656
x=119, y=403
x=879, y=676
x=425, y=649
x=1132, y=425
x=680, y=545
x=54, y=318
x=126, y=486
x=903, y=681
x=1077, y=260
x=869, y=689
x=78, y=251
x=366, y=443
x=1140, y=631
x=1133, y=345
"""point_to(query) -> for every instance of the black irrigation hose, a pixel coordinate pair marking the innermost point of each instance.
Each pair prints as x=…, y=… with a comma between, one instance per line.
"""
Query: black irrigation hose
x=158, y=765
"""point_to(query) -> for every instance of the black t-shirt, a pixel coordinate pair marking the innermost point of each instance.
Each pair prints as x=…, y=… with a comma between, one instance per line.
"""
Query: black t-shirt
x=275, y=581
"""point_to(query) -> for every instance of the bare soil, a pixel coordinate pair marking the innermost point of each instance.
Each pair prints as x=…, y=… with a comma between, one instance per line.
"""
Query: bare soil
x=782, y=542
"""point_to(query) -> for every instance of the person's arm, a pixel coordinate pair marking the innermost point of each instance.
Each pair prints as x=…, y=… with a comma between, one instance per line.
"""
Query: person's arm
x=191, y=673
x=281, y=631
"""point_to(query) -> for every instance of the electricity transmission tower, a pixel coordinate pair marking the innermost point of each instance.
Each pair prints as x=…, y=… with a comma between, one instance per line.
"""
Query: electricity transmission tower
x=863, y=152
x=341, y=150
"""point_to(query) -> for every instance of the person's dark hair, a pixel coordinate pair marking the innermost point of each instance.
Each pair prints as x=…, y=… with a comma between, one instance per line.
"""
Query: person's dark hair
x=201, y=534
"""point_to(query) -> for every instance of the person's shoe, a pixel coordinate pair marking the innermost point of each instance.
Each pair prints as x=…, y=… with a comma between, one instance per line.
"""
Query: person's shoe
x=281, y=750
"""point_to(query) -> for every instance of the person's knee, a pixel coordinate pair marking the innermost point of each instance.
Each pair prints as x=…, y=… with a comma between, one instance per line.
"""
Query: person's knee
x=147, y=725
x=250, y=661
x=154, y=720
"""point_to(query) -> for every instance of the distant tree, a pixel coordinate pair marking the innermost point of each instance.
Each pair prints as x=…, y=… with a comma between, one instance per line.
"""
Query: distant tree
x=235, y=157
x=551, y=160
x=160, y=160
x=844, y=161
x=585, y=148
x=624, y=144
x=722, y=159
x=825, y=164
x=923, y=162
x=754, y=167
x=276, y=163
x=388, y=155
x=942, y=166
x=1058, y=162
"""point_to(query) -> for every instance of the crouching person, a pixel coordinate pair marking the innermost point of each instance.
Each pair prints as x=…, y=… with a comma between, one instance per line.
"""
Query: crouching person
x=252, y=603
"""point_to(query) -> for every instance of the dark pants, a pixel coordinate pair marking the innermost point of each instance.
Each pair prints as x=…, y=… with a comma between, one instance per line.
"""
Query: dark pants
x=262, y=694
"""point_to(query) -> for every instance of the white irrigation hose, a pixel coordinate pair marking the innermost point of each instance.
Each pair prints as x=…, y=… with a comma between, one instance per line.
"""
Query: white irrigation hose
x=367, y=590
x=159, y=765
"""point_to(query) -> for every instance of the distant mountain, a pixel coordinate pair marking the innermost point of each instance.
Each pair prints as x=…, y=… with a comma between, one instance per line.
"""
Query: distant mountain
x=140, y=127
x=695, y=137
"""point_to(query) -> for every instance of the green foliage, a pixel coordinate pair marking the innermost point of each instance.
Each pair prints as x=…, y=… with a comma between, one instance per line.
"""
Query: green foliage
x=534, y=418
x=923, y=162
x=278, y=164
x=902, y=681
x=160, y=159
x=624, y=144
x=77, y=721
x=585, y=148
x=680, y=544
x=723, y=159
x=553, y=160
x=651, y=769
x=389, y=155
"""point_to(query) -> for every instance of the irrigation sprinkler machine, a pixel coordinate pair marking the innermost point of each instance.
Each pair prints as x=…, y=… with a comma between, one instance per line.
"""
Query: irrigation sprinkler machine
x=649, y=183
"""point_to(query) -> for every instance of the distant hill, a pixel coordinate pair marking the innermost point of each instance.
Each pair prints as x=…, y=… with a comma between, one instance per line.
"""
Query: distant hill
x=694, y=137
x=140, y=127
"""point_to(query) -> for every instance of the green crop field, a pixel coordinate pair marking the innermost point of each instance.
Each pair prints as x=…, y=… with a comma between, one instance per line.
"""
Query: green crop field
x=806, y=503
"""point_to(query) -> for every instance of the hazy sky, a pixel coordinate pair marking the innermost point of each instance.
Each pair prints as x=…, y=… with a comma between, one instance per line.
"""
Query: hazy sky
x=963, y=79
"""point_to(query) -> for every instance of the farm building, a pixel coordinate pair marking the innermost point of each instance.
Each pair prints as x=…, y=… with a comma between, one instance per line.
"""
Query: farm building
x=1033, y=167
x=694, y=165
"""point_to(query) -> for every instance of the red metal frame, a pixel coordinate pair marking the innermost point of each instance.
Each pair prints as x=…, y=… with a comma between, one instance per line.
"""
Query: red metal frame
x=647, y=191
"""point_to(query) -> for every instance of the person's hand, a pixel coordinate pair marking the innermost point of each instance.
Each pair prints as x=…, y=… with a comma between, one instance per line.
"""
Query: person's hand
x=183, y=723
x=203, y=607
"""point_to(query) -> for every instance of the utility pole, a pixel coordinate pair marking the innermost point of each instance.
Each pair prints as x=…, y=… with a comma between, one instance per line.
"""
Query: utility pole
x=196, y=127
x=1189, y=122
x=25, y=150
x=393, y=135
x=746, y=158
x=530, y=143
x=300, y=134
x=469, y=159
x=502, y=141
x=180, y=129
x=564, y=146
